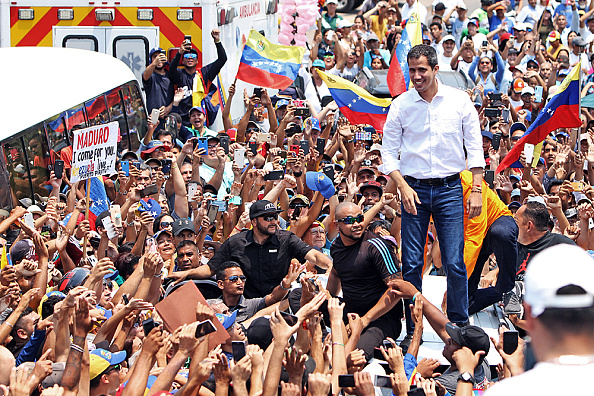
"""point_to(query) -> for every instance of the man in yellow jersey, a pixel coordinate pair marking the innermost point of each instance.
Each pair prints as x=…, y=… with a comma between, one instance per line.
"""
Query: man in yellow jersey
x=493, y=231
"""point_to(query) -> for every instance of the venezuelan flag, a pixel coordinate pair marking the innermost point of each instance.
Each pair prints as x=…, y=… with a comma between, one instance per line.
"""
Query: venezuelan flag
x=562, y=111
x=355, y=103
x=269, y=65
x=100, y=202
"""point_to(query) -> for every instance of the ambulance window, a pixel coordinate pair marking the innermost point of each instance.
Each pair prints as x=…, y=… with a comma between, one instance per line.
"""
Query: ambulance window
x=17, y=169
x=55, y=128
x=136, y=114
x=81, y=42
x=97, y=111
x=5, y=196
x=75, y=118
x=133, y=51
x=115, y=107
x=38, y=157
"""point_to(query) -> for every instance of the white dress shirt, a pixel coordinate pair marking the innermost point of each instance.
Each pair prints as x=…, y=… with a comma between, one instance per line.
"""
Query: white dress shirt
x=430, y=136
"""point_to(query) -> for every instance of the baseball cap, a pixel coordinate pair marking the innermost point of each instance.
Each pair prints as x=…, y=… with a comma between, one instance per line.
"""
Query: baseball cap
x=315, y=123
x=180, y=225
x=532, y=63
x=162, y=232
x=372, y=184
x=553, y=36
x=461, y=5
x=487, y=134
x=528, y=90
x=331, y=2
x=301, y=197
x=517, y=126
x=152, y=146
x=520, y=27
x=518, y=85
x=366, y=169
x=35, y=210
x=318, y=181
x=227, y=320
x=500, y=7
x=544, y=279
x=157, y=50
x=579, y=41
x=343, y=23
x=513, y=51
x=318, y=63
x=514, y=204
x=372, y=36
x=23, y=249
x=280, y=103
x=199, y=108
x=472, y=337
x=375, y=147
x=263, y=207
x=474, y=21
x=102, y=359
x=448, y=37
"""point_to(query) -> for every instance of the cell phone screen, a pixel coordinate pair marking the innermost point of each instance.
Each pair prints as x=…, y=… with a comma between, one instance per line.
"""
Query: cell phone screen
x=58, y=168
x=346, y=380
x=290, y=319
x=510, y=341
x=238, y=348
x=212, y=213
x=204, y=328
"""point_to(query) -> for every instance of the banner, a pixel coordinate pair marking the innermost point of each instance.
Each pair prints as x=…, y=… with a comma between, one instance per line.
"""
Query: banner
x=94, y=151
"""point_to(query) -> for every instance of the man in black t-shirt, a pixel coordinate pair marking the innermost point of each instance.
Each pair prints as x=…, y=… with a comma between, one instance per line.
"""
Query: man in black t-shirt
x=156, y=83
x=363, y=264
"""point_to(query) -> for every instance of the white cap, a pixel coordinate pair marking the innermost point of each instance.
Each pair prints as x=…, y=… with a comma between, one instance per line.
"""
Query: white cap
x=375, y=147
x=528, y=89
x=448, y=37
x=342, y=23
x=35, y=209
x=545, y=276
x=462, y=5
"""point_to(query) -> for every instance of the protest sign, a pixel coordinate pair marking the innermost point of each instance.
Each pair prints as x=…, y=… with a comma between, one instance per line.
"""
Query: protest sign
x=94, y=151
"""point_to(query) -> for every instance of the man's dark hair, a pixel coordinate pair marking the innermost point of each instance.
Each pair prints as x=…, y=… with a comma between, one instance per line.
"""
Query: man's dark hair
x=436, y=24
x=538, y=214
x=187, y=242
x=125, y=264
x=19, y=323
x=221, y=270
x=423, y=50
x=162, y=132
x=561, y=321
x=553, y=183
x=380, y=223
x=47, y=307
x=126, y=247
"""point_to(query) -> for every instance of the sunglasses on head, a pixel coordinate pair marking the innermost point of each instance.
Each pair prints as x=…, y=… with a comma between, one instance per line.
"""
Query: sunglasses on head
x=270, y=217
x=352, y=219
x=192, y=56
x=235, y=278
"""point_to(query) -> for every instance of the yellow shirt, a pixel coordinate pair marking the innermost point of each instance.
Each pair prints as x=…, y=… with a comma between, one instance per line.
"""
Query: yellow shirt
x=379, y=29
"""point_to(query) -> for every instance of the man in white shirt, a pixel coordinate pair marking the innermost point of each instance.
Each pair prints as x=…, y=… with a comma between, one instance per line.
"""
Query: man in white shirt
x=426, y=132
x=559, y=317
x=448, y=45
x=530, y=13
x=409, y=7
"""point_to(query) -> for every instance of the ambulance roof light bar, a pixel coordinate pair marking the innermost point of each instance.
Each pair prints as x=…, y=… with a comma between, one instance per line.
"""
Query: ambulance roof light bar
x=144, y=14
x=26, y=14
x=65, y=14
x=184, y=14
x=105, y=14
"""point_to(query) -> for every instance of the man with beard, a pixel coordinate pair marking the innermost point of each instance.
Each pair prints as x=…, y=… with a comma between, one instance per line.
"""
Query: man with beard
x=156, y=83
x=264, y=253
x=363, y=265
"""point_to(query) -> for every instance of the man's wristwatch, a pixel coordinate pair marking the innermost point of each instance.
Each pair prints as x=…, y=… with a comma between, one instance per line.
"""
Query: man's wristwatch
x=466, y=377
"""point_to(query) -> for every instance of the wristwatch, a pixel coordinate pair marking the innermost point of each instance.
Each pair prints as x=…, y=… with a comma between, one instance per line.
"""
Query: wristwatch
x=466, y=377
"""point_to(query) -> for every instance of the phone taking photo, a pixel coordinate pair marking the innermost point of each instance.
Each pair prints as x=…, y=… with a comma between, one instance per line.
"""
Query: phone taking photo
x=510, y=341
x=204, y=328
x=238, y=348
x=58, y=169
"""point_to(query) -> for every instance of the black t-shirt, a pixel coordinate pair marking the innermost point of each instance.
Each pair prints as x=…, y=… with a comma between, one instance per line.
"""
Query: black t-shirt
x=527, y=252
x=159, y=91
x=362, y=268
x=265, y=265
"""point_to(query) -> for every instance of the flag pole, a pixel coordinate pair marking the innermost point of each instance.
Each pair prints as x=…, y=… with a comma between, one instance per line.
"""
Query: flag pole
x=86, y=216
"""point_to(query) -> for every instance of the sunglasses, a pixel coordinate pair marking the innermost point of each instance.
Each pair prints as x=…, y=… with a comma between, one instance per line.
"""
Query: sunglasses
x=296, y=205
x=270, y=217
x=192, y=56
x=350, y=220
x=116, y=367
x=251, y=130
x=235, y=278
x=165, y=224
x=209, y=248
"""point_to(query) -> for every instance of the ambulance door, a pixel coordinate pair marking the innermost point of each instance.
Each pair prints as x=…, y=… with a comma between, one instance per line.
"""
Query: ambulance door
x=132, y=45
x=81, y=37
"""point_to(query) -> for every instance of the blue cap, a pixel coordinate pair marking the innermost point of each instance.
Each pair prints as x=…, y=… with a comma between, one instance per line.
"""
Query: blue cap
x=517, y=126
x=318, y=63
x=155, y=51
x=227, y=320
x=315, y=123
x=281, y=102
x=515, y=191
x=152, y=146
x=318, y=181
x=487, y=134
x=541, y=161
x=514, y=204
x=425, y=37
x=516, y=177
x=328, y=53
x=200, y=109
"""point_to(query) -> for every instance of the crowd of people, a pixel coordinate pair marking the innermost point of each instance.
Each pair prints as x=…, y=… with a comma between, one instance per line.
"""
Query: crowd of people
x=309, y=235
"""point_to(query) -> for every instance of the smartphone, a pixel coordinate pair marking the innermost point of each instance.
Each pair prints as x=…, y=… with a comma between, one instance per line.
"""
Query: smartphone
x=290, y=319
x=28, y=219
x=295, y=149
x=192, y=188
x=225, y=141
x=253, y=146
x=297, y=212
x=148, y=190
x=264, y=137
x=490, y=177
x=125, y=298
x=239, y=157
x=155, y=116
x=320, y=145
x=108, y=225
x=136, y=164
x=304, y=145
x=494, y=96
x=203, y=144
x=58, y=168
x=194, y=142
x=188, y=39
x=94, y=241
x=213, y=210
x=492, y=112
x=151, y=244
x=222, y=205
x=328, y=170
x=383, y=381
x=283, y=154
x=166, y=168
x=510, y=341
x=257, y=92
x=125, y=167
x=148, y=325
x=485, y=43
x=235, y=200
x=116, y=215
x=238, y=348
x=346, y=380
x=314, y=285
x=529, y=153
x=416, y=392
x=505, y=115
x=496, y=142
x=577, y=186
x=204, y=328
x=387, y=344
x=538, y=90
x=274, y=175
x=301, y=112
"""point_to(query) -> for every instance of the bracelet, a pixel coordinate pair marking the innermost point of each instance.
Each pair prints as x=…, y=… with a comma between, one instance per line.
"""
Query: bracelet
x=284, y=288
x=130, y=224
x=238, y=229
x=415, y=296
x=77, y=348
x=123, y=193
x=6, y=322
x=337, y=343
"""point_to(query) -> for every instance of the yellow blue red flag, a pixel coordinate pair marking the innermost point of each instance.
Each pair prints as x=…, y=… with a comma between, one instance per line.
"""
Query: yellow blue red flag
x=269, y=65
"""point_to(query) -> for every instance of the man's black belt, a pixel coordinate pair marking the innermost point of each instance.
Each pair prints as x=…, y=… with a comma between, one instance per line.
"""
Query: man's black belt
x=434, y=181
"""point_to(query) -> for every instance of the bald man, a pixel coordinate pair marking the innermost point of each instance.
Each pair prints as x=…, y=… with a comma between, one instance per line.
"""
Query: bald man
x=363, y=264
x=6, y=364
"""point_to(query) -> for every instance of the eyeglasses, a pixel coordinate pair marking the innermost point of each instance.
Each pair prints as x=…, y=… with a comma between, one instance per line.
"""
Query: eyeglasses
x=235, y=278
x=165, y=224
x=270, y=217
x=252, y=130
x=350, y=220
x=485, y=63
x=296, y=205
x=211, y=146
x=192, y=56
x=209, y=248
x=110, y=369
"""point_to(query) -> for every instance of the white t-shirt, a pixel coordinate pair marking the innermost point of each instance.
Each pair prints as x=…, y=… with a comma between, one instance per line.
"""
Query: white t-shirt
x=547, y=379
x=444, y=62
x=349, y=73
x=406, y=11
x=312, y=97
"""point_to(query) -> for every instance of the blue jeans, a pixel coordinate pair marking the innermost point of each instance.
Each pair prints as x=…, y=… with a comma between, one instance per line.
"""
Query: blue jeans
x=446, y=204
x=501, y=239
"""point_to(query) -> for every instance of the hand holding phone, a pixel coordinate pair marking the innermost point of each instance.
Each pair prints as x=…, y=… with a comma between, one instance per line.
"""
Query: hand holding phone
x=510, y=341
